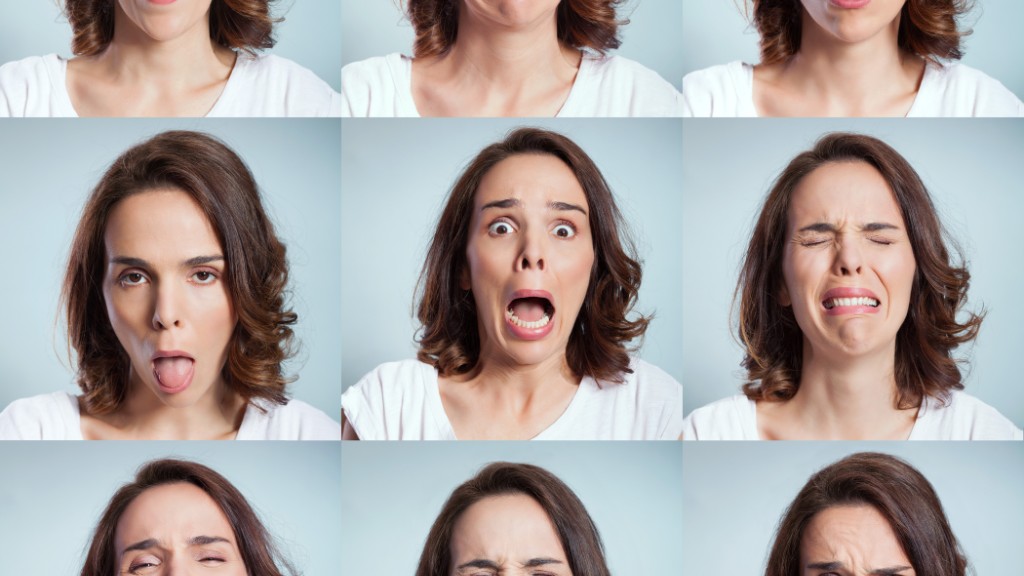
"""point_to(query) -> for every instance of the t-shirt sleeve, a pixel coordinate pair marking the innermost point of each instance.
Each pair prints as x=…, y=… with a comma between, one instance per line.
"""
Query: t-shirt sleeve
x=16, y=87
x=25, y=419
x=363, y=83
x=362, y=406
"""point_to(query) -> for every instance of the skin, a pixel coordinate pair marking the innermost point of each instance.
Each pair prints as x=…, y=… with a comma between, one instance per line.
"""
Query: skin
x=160, y=62
x=852, y=541
x=845, y=230
x=165, y=290
x=849, y=64
x=538, y=238
x=506, y=61
x=176, y=530
x=508, y=535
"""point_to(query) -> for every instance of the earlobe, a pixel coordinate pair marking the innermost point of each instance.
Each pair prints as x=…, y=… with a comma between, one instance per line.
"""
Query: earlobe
x=783, y=298
x=464, y=281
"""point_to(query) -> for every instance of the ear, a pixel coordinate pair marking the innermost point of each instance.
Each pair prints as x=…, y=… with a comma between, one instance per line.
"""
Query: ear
x=465, y=282
x=783, y=298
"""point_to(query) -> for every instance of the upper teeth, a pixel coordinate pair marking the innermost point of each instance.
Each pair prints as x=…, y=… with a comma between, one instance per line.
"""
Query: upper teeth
x=861, y=301
x=524, y=324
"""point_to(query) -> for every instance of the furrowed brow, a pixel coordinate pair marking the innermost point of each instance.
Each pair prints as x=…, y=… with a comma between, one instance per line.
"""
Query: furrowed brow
x=535, y=562
x=877, y=226
x=204, y=540
x=818, y=227
x=141, y=545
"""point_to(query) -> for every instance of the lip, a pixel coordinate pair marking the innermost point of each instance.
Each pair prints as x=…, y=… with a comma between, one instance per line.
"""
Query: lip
x=172, y=354
x=849, y=4
x=162, y=2
x=850, y=292
x=524, y=333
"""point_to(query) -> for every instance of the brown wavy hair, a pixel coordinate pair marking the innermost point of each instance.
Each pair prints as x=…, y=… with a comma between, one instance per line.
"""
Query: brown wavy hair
x=256, y=268
x=924, y=343
x=577, y=532
x=892, y=487
x=449, y=338
x=255, y=544
x=928, y=28
x=236, y=24
x=590, y=24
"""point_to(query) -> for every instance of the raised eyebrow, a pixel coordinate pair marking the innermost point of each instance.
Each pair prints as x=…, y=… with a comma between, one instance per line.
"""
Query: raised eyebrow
x=506, y=203
x=141, y=545
x=565, y=206
x=535, y=562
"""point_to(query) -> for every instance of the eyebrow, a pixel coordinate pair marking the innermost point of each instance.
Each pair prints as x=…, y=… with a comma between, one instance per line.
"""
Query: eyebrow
x=891, y=571
x=531, y=563
x=515, y=203
x=193, y=541
x=869, y=227
x=140, y=263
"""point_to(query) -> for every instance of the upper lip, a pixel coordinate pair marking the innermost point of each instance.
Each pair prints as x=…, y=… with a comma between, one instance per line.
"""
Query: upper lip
x=531, y=294
x=171, y=354
x=849, y=292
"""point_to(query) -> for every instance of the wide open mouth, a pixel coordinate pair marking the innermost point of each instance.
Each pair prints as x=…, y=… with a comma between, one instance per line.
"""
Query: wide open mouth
x=831, y=303
x=530, y=312
x=173, y=371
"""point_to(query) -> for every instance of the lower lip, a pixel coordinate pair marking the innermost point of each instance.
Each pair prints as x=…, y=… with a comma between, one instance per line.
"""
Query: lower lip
x=841, y=310
x=161, y=2
x=178, y=389
x=529, y=333
x=849, y=4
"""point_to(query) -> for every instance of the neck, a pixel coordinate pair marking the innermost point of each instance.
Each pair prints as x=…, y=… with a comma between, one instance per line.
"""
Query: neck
x=502, y=55
x=216, y=414
x=518, y=384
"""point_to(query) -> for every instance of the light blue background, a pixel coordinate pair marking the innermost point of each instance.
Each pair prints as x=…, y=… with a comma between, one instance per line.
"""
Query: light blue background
x=972, y=170
x=309, y=35
x=49, y=167
x=651, y=38
x=736, y=492
x=52, y=495
x=395, y=179
x=393, y=491
x=718, y=32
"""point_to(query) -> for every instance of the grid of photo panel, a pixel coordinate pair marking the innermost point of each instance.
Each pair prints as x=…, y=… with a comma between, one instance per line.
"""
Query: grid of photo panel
x=511, y=287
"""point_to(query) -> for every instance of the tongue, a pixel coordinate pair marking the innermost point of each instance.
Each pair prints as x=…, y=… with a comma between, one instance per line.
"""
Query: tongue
x=172, y=372
x=529, y=309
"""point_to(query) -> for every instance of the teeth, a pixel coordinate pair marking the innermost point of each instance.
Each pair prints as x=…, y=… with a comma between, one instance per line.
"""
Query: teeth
x=842, y=302
x=524, y=324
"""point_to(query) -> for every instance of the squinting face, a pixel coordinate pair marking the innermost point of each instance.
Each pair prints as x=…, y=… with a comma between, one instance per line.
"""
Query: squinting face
x=176, y=529
x=529, y=255
x=851, y=541
x=512, y=13
x=166, y=295
x=164, y=20
x=848, y=265
x=508, y=535
x=853, y=20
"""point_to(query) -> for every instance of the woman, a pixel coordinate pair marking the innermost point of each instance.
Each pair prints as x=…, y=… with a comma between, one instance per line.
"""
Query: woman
x=181, y=58
x=490, y=58
x=174, y=296
x=513, y=515
x=852, y=58
x=848, y=310
x=180, y=517
x=868, y=513
x=524, y=308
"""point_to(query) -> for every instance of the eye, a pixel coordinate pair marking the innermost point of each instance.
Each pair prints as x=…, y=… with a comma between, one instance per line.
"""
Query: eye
x=811, y=242
x=144, y=566
x=882, y=241
x=500, y=228
x=132, y=279
x=204, y=277
x=564, y=230
x=212, y=560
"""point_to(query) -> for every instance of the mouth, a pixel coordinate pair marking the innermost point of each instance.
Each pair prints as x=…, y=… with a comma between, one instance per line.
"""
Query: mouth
x=173, y=370
x=850, y=300
x=846, y=302
x=529, y=312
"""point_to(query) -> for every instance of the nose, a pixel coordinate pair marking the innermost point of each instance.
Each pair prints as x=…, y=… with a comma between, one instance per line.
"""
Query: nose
x=531, y=250
x=176, y=566
x=167, y=310
x=848, y=257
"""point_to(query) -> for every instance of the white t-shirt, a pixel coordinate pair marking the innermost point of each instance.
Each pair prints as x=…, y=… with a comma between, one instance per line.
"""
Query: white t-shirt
x=952, y=89
x=965, y=418
x=604, y=86
x=401, y=401
x=258, y=86
x=56, y=417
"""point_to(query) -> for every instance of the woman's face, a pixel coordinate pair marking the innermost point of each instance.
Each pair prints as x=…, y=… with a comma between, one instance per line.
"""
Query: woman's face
x=851, y=541
x=166, y=295
x=511, y=13
x=852, y=21
x=848, y=265
x=529, y=256
x=164, y=20
x=176, y=529
x=508, y=535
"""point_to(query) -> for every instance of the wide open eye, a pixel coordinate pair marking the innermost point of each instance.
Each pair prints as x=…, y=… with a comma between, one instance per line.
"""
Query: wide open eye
x=500, y=228
x=564, y=231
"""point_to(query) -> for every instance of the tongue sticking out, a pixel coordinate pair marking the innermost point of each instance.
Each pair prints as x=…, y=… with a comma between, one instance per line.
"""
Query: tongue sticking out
x=173, y=372
x=529, y=309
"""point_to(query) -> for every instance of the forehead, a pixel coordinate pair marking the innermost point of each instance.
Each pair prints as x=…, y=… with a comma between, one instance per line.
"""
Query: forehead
x=170, y=510
x=530, y=177
x=512, y=528
x=159, y=220
x=851, y=191
x=857, y=534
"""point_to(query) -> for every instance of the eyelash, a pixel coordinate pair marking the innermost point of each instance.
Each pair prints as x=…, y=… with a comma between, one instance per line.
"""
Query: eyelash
x=125, y=281
x=491, y=229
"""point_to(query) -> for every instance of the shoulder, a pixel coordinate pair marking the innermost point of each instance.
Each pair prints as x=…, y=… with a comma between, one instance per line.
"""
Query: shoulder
x=374, y=84
x=646, y=405
x=276, y=86
x=732, y=418
x=617, y=86
x=652, y=382
x=955, y=89
x=963, y=417
x=25, y=82
x=718, y=90
x=295, y=420
x=390, y=398
x=43, y=417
